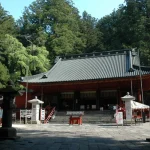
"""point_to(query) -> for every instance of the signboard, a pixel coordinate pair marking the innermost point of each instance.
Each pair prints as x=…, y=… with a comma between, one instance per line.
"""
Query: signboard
x=119, y=118
x=42, y=114
x=25, y=113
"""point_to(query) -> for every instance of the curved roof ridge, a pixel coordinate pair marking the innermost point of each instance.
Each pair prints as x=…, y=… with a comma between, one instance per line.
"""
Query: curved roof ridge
x=90, y=68
x=54, y=66
x=32, y=76
x=40, y=75
x=95, y=54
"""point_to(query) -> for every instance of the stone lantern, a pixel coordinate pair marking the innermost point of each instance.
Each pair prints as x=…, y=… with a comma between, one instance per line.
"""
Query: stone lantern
x=35, y=110
x=127, y=99
x=9, y=93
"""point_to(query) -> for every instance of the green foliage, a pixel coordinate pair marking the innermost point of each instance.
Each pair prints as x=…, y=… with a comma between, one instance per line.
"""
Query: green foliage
x=7, y=24
x=4, y=77
x=90, y=34
x=17, y=59
x=15, y=54
x=38, y=59
x=128, y=27
x=54, y=27
x=23, y=61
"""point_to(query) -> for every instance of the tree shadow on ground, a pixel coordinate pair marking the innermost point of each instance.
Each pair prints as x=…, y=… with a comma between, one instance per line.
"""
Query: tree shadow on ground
x=70, y=139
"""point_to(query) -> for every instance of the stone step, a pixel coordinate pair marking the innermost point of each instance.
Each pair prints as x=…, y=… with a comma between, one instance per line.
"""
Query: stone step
x=88, y=117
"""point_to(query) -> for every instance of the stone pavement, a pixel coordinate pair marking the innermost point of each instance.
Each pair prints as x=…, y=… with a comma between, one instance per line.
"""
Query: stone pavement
x=84, y=137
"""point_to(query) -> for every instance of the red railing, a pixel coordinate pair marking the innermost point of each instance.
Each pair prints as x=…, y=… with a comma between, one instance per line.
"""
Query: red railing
x=49, y=114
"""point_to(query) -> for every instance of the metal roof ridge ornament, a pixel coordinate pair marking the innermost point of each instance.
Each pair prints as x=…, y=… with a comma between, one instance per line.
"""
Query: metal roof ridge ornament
x=131, y=70
x=56, y=59
x=133, y=51
x=44, y=76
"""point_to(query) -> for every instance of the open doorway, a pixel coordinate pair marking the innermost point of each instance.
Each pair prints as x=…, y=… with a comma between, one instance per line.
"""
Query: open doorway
x=108, y=99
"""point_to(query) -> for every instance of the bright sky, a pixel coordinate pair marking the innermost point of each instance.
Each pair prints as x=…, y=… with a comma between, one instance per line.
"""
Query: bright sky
x=97, y=8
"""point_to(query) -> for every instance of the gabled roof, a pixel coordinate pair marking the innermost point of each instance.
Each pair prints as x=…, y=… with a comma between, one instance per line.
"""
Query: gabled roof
x=94, y=66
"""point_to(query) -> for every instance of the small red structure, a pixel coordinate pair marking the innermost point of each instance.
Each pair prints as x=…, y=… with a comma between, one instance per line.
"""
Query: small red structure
x=75, y=120
x=75, y=117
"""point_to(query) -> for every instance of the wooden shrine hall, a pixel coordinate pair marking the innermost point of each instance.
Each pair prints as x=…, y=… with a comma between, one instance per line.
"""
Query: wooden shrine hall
x=89, y=81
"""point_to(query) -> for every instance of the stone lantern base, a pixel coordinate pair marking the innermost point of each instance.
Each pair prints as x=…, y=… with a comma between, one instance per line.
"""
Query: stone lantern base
x=8, y=133
x=148, y=139
x=36, y=122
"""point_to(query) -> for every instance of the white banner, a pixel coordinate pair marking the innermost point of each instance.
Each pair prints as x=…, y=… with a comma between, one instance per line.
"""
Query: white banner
x=119, y=118
x=42, y=114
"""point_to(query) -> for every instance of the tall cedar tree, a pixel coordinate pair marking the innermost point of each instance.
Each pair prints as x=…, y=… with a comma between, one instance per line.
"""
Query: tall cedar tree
x=7, y=26
x=91, y=35
x=54, y=23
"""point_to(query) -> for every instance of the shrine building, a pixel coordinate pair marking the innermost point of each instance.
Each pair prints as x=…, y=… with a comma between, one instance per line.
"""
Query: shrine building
x=89, y=81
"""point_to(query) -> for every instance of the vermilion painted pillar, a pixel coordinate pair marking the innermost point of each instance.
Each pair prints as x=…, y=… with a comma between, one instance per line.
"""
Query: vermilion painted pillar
x=139, y=95
x=97, y=99
x=59, y=102
x=120, y=102
x=76, y=100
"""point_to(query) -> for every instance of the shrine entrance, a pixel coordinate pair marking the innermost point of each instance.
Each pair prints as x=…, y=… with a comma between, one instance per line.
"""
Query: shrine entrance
x=87, y=100
x=67, y=100
x=108, y=99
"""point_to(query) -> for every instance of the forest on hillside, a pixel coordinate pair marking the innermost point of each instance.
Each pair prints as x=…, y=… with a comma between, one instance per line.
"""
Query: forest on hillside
x=50, y=28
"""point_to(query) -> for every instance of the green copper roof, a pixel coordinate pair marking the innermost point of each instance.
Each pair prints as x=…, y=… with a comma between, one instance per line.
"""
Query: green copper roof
x=95, y=66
